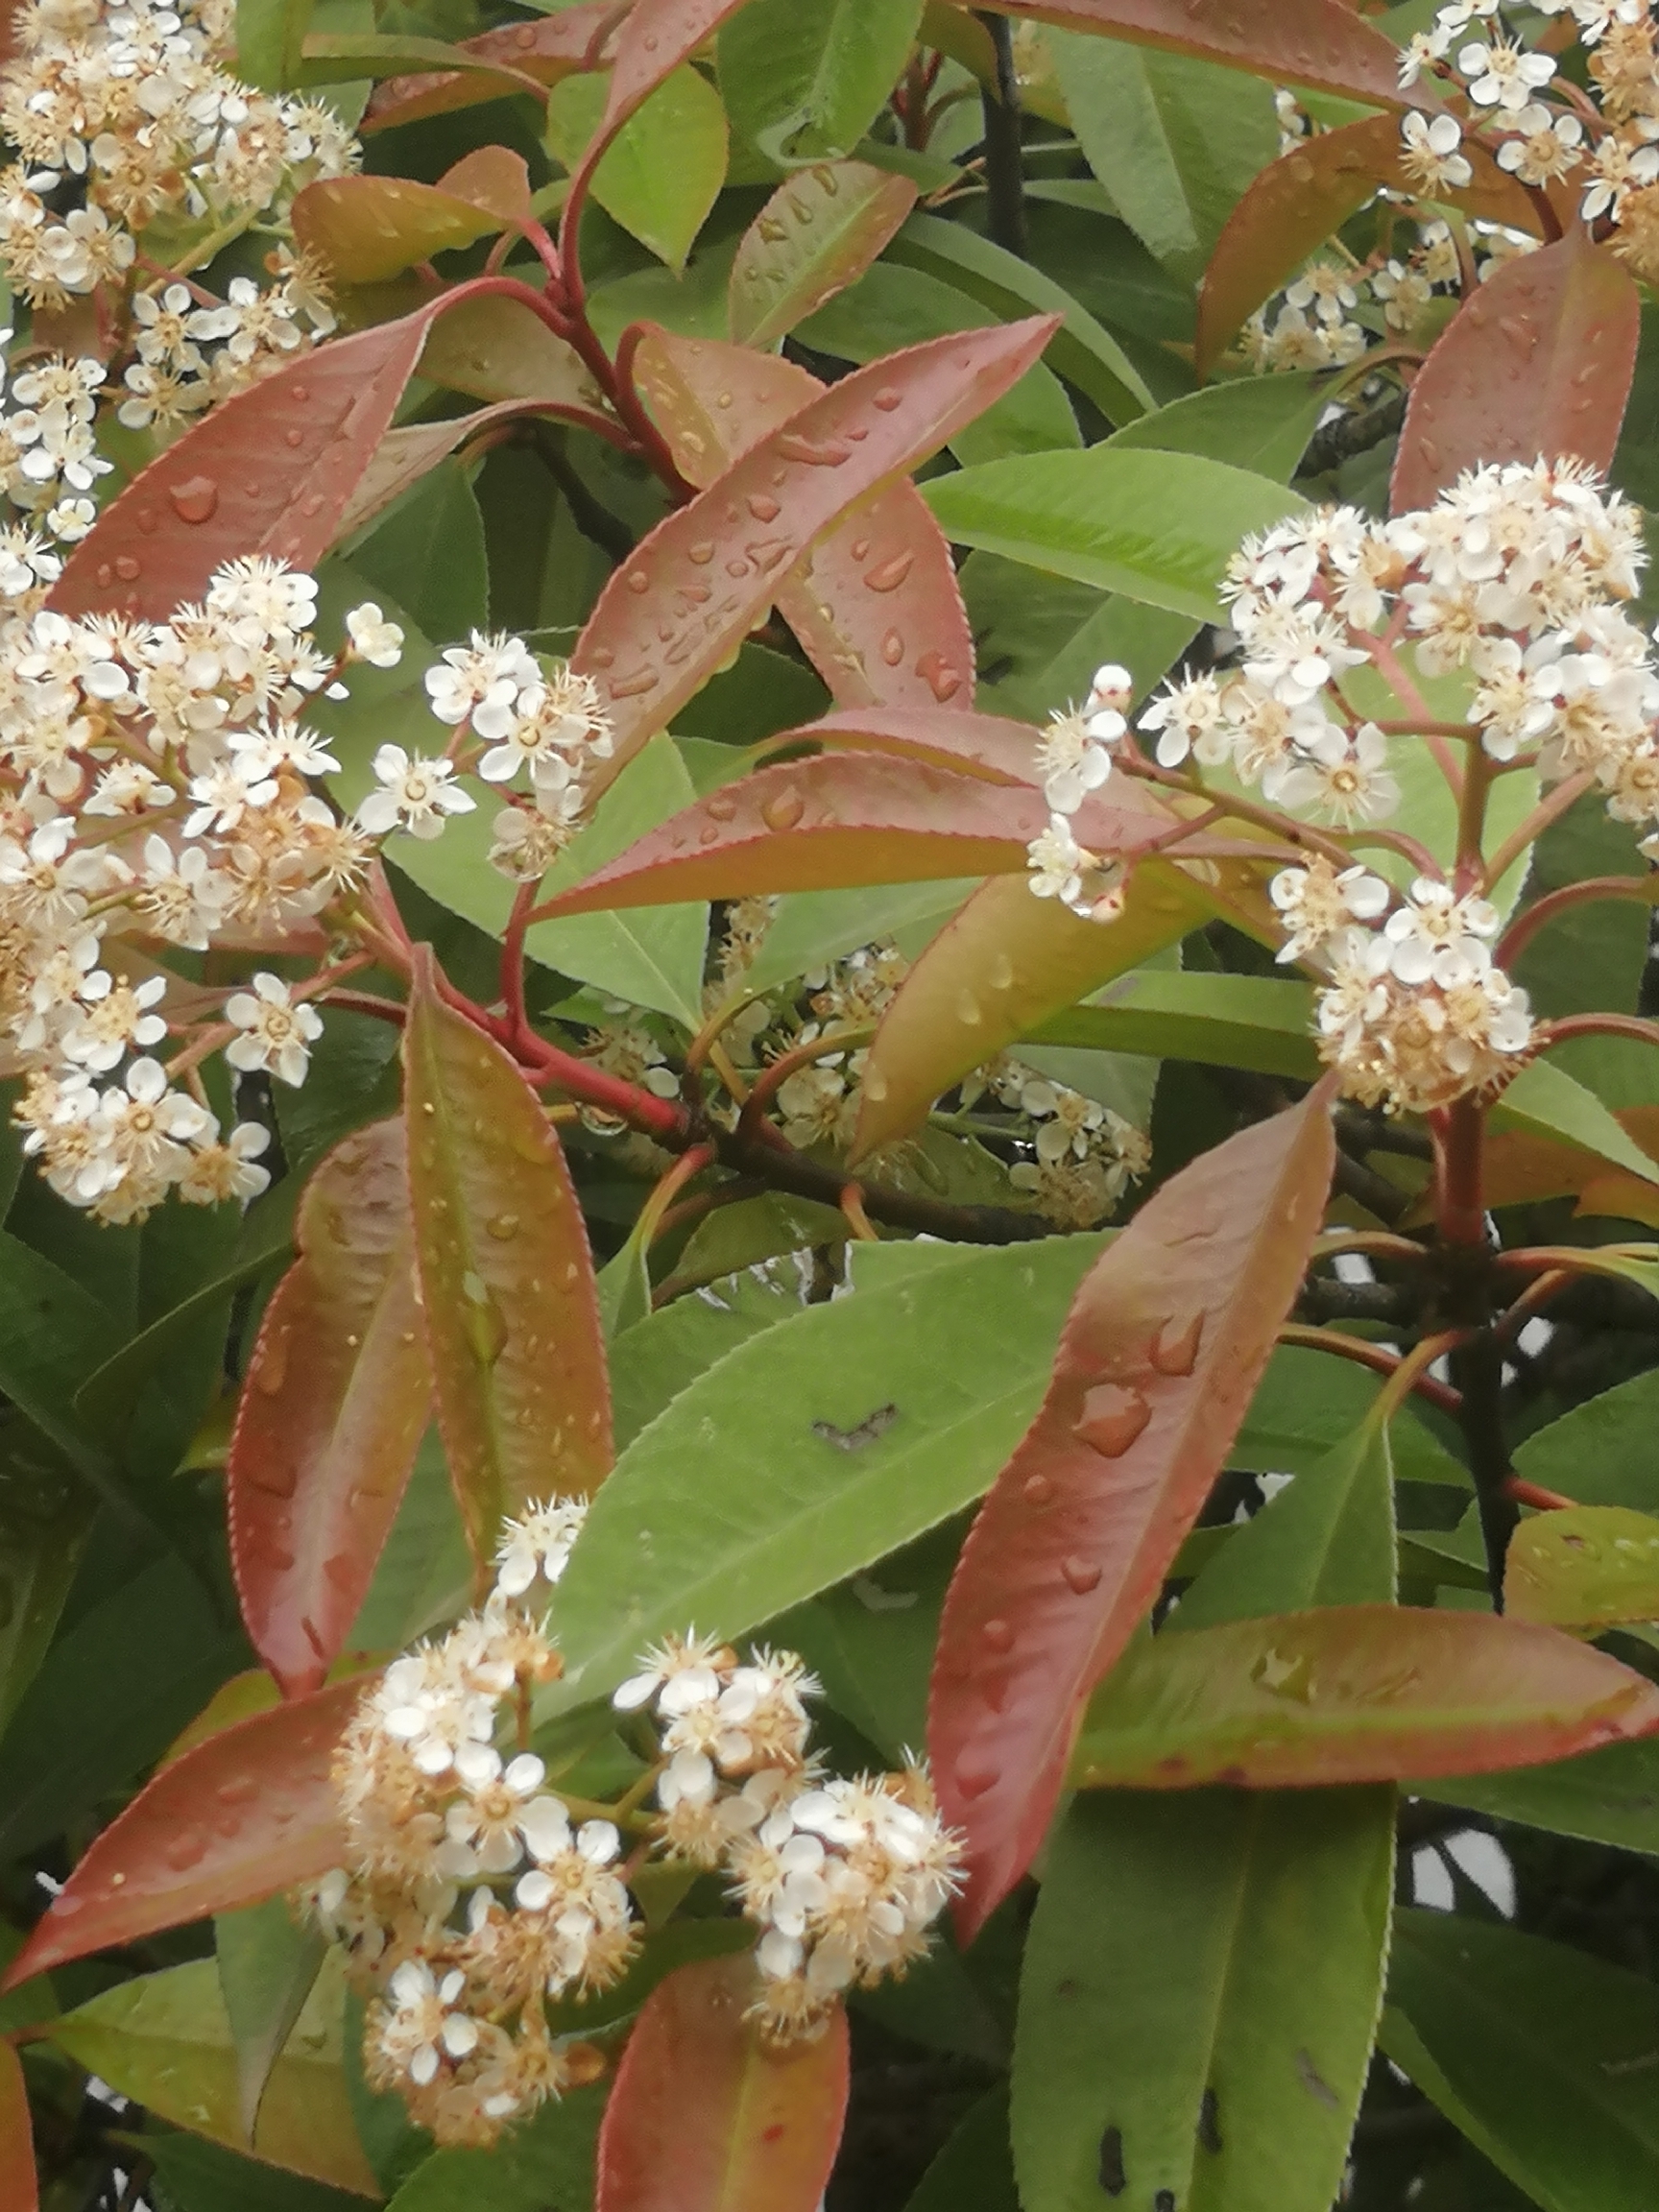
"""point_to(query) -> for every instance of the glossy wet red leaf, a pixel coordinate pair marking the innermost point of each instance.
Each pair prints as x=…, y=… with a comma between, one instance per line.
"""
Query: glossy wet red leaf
x=247, y=1813
x=1161, y=1352
x=337, y=1397
x=876, y=605
x=831, y=823
x=684, y=600
x=707, y=2117
x=1321, y=43
x=505, y=1276
x=991, y=746
x=819, y=232
x=268, y=471
x=1295, y=205
x=368, y=229
x=555, y=47
x=18, y=2190
x=1354, y=1694
x=1538, y=362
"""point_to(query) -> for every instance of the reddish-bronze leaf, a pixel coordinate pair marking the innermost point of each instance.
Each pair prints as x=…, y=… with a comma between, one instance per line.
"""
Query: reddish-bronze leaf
x=987, y=745
x=247, y=1813
x=269, y=471
x=819, y=232
x=875, y=603
x=1354, y=1694
x=368, y=229
x=505, y=1276
x=831, y=824
x=554, y=47
x=684, y=599
x=18, y=2189
x=1296, y=202
x=705, y=2116
x=1321, y=43
x=1161, y=1352
x=1538, y=362
x=332, y=1415
x=496, y=178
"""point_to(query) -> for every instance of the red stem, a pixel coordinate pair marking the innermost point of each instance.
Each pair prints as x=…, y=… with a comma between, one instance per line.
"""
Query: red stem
x=1543, y=911
x=1597, y=1026
x=1376, y=1356
x=1459, y=1133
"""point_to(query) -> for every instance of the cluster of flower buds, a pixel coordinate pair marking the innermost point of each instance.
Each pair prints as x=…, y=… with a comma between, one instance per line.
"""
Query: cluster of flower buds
x=128, y=121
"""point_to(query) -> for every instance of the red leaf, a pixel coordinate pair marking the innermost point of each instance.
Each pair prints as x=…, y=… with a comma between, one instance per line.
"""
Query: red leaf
x=247, y=1813
x=1297, y=202
x=1321, y=43
x=707, y=2117
x=1537, y=363
x=831, y=824
x=682, y=602
x=555, y=47
x=1354, y=1694
x=876, y=605
x=337, y=1396
x=268, y=472
x=1161, y=1352
x=511, y=1314
x=987, y=745
x=18, y=2189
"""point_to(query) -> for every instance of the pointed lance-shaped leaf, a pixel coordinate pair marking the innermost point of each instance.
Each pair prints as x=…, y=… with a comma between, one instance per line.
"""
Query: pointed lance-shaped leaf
x=818, y=233
x=1354, y=1694
x=1324, y=44
x=1298, y=201
x=332, y=1411
x=707, y=2116
x=1538, y=362
x=247, y=1813
x=1161, y=1353
x=834, y=823
x=556, y=46
x=684, y=599
x=875, y=603
x=18, y=2188
x=506, y=1288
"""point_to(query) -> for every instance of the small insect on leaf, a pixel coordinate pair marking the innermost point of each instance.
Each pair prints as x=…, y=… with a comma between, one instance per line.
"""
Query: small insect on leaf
x=871, y=1426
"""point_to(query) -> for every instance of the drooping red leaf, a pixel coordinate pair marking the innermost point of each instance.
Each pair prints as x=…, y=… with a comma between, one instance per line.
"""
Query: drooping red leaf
x=1161, y=1352
x=1354, y=1694
x=1537, y=363
x=18, y=2188
x=704, y=2116
x=684, y=599
x=876, y=605
x=268, y=471
x=819, y=232
x=554, y=47
x=989, y=745
x=243, y=1815
x=331, y=1415
x=1324, y=44
x=1296, y=204
x=368, y=229
x=507, y=1292
x=831, y=824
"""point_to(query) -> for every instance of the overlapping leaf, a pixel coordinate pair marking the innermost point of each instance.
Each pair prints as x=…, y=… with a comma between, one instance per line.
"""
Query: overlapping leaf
x=368, y=229
x=661, y=169
x=547, y=50
x=707, y=2116
x=336, y=1398
x=247, y=1813
x=875, y=603
x=1537, y=362
x=505, y=1276
x=1589, y=1567
x=1156, y=1362
x=820, y=231
x=17, y=2136
x=985, y=745
x=494, y=347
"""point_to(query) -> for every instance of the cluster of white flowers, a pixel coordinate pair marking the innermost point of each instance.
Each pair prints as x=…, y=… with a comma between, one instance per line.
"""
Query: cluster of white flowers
x=49, y=459
x=1083, y=1155
x=194, y=349
x=1516, y=103
x=470, y=1900
x=129, y=116
x=844, y=1878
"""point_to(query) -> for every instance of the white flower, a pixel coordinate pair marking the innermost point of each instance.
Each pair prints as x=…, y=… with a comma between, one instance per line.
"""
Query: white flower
x=1057, y=863
x=276, y=1033
x=1439, y=937
x=538, y=1542
x=416, y=795
x=1549, y=145
x=1317, y=902
x=1503, y=75
x=1429, y=154
x=373, y=638
x=1073, y=759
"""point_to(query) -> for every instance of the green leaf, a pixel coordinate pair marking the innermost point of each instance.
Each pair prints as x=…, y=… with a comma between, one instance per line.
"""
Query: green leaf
x=267, y=1964
x=1601, y=1452
x=810, y=928
x=805, y=78
x=780, y=1471
x=1083, y=350
x=426, y=553
x=200, y=2176
x=1174, y=141
x=1542, y=2056
x=1589, y=1567
x=750, y=1232
x=269, y=34
x=1251, y=1021
x=1547, y=1101
x=652, y=1362
x=1309, y=1402
x=974, y=2170
x=1607, y=1796
x=53, y=1336
x=1159, y=527
x=1260, y=422
x=545, y=2166
x=45, y=1518
x=816, y=235
x=663, y=172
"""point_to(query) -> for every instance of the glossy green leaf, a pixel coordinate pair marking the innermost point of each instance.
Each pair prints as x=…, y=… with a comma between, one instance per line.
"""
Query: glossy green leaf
x=1261, y=423
x=201, y=2176
x=662, y=171
x=1601, y=1452
x=1607, y=1796
x=1542, y=2056
x=663, y=1354
x=1589, y=1568
x=547, y=2162
x=1308, y=1403
x=268, y=1965
x=1228, y=1020
x=1159, y=527
x=805, y=78
x=817, y=234
x=368, y=229
x=1544, y=1100
x=781, y=1470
